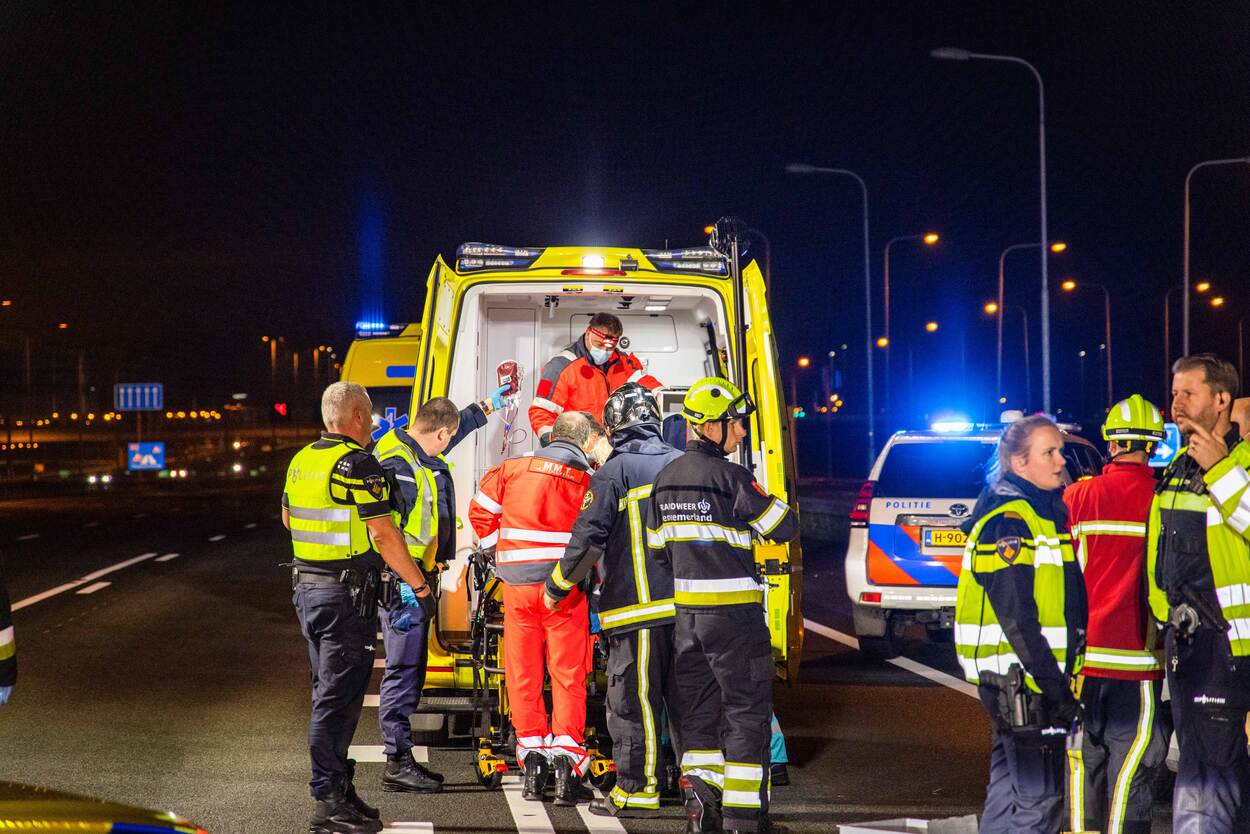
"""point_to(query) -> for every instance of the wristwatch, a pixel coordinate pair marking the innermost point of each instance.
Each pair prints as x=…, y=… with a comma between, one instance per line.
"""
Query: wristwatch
x=486, y=407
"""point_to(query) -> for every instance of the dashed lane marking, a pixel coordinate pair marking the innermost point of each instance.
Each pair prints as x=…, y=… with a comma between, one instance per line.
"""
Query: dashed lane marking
x=927, y=672
x=168, y=557
x=409, y=828
x=530, y=817
x=599, y=825
x=28, y=537
x=217, y=537
x=249, y=526
x=139, y=515
x=372, y=701
x=377, y=753
x=91, y=524
x=77, y=583
x=93, y=587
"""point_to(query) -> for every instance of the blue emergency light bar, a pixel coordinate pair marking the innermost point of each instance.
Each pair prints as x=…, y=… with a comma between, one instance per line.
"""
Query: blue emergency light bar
x=695, y=259
x=368, y=329
x=475, y=257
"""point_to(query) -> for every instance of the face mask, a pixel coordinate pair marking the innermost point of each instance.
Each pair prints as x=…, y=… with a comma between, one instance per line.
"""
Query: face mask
x=601, y=355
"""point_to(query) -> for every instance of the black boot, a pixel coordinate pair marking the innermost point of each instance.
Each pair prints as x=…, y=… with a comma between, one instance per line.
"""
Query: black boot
x=537, y=772
x=335, y=814
x=607, y=807
x=569, y=787
x=703, y=814
x=779, y=774
x=403, y=774
x=354, y=798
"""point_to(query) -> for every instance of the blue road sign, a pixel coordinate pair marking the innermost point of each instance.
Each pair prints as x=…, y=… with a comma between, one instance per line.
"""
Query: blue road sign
x=138, y=396
x=145, y=457
x=1165, y=451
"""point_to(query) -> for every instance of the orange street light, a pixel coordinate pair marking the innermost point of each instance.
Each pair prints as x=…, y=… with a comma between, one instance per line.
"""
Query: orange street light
x=931, y=326
x=931, y=238
x=1068, y=286
x=1058, y=246
x=6, y=302
x=707, y=230
x=991, y=307
x=63, y=326
x=882, y=342
x=1218, y=301
x=1202, y=286
x=804, y=361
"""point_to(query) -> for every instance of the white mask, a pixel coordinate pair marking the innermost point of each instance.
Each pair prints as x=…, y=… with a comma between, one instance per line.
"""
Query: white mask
x=601, y=355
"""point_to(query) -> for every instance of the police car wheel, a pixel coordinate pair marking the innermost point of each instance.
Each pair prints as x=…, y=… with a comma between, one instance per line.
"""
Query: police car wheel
x=880, y=648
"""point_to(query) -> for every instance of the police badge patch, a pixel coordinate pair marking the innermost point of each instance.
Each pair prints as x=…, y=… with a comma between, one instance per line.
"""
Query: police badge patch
x=588, y=498
x=376, y=486
x=1008, y=549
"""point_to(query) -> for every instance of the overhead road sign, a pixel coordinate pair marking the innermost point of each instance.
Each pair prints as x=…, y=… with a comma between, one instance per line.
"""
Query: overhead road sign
x=138, y=396
x=145, y=457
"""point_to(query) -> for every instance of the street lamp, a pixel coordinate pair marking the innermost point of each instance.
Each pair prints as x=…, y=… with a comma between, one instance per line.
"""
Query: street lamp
x=931, y=326
x=804, y=168
x=1185, y=281
x=929, y=239
x=993, y=308
x=953, y=54
x=1199, y=287
x=1056, y=247
x=1241, y=354
x=1070, y=286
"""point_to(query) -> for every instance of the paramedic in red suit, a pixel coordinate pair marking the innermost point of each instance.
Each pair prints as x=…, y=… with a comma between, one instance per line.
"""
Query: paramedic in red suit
x=524, y=509
x=583, y=375
x=1124, y=741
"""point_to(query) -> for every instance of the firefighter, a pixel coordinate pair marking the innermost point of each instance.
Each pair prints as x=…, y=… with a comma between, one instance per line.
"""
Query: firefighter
x=335, y=504
x=1020, y=614
x=1199, y=573
x=524, y=509
x=580, y=377
x=705, y=511
x=635, y=605
x=1124, y=739
x=423, y=504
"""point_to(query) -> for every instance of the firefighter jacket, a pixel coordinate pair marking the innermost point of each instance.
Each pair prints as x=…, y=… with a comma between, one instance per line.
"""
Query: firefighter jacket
x=1107, y=516
x=1021, y=599
x=1196, y=542
x=705, y=511
x=525, y=508
x=8, y=646
x=571, y=381
x=423, y=496
x=332, y=488
x=635, y=592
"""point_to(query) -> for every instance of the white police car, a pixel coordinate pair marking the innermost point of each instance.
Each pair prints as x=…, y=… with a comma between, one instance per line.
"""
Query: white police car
x=903, y=558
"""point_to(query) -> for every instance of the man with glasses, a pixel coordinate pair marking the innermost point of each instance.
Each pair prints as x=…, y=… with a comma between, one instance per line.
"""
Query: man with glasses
x=583, y=375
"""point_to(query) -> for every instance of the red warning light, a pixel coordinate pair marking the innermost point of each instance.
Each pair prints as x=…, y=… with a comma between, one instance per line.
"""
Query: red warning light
x=280, y=408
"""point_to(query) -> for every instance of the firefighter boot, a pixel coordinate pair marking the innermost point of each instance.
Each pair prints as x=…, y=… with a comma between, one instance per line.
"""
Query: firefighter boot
x=569, y=787
x=403, y=774
x=537, y=772
x=335, y=814
x=702, y=801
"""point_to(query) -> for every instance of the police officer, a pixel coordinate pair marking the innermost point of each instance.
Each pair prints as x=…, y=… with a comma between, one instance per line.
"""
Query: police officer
x=8, y=648
x=1199, y=572
x=335, y=504
x=1020, y=615
x=635, y=596
x=423, y=503
x=705, y=511
x=1124, y=740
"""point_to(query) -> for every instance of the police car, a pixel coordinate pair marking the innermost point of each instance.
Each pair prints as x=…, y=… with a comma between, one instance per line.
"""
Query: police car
x=906, y=548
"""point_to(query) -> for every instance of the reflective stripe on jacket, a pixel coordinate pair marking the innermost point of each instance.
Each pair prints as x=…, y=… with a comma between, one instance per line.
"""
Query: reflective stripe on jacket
x=332, y=487
x=570, y=381
x=420, y=524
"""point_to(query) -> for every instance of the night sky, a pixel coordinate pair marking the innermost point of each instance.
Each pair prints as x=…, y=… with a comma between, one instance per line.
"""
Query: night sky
x=179, y=182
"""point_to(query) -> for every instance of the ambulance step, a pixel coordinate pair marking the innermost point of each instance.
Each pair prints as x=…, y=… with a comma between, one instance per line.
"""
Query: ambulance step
x=446, y=703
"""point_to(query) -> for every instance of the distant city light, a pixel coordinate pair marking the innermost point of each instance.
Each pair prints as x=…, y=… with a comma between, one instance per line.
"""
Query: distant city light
x=804, y=361
x=931, y=326
x=882, y=342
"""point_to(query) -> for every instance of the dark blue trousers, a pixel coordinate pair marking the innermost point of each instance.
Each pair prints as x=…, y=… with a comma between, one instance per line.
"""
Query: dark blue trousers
x=340, y=653
x=402, y=680
x=1025, y=793
x=1209, y=701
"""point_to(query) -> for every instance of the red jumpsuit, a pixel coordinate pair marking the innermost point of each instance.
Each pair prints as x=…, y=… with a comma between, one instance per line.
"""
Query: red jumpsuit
x=525, y=509
x=572, y=382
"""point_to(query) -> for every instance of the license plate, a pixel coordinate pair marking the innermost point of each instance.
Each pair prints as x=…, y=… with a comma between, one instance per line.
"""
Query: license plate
x=944, y=537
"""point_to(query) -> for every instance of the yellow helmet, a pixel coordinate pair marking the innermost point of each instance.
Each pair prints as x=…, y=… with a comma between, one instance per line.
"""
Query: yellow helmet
x=715, y=398
x=1135, y=418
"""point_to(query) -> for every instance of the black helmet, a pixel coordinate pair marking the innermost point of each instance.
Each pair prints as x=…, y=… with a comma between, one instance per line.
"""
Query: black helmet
x=630, y=405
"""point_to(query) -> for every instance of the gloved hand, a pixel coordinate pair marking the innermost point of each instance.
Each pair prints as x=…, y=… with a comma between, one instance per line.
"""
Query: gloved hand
x=497, y=397
x=401, y=619
x=422, y=608
x=1066, y=712
x=550, y=602
x=6, y=692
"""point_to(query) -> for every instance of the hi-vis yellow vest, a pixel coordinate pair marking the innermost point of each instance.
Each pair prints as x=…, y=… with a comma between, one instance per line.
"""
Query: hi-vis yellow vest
x=321, y=529
x=979, y=639
x=421, y=526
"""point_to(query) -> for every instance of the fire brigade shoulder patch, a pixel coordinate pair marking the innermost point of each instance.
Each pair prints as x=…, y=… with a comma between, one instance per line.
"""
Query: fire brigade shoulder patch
x=588, y=498
x=1008, y=549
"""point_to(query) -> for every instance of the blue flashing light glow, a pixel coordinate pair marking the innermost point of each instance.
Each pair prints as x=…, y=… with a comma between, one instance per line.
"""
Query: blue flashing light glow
x=371, y=325
x=952, y=425
x=369, y=240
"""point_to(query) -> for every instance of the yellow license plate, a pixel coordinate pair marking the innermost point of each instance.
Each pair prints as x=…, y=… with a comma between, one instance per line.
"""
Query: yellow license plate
x=944, y=537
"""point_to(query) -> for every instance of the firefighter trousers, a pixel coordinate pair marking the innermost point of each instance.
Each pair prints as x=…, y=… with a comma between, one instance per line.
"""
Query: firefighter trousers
x=724, y=668
x=640, y=686
x=1123, y=742
x=536, y=643
x=1210, y=696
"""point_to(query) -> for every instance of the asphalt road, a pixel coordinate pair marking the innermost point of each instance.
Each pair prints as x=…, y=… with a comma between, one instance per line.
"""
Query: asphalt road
x=180, y=682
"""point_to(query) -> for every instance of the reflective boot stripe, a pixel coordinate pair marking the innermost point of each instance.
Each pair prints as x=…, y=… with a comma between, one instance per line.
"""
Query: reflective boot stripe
x=742, y=785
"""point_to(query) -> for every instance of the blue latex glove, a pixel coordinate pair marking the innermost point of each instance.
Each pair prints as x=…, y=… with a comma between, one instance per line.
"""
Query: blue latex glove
x=5, y=693
x=407, y=595
x=419, y=608
x=401, y=619
x=497, y=397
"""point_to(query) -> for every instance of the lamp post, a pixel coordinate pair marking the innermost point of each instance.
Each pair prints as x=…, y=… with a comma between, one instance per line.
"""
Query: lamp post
x=1201, y=286
x=929, y=239
x=1241, y=354
x=803, y=168
x=1070, y=286
x=993, y=308
x=1057, y=246
x=1244, y=160
x=953, y=54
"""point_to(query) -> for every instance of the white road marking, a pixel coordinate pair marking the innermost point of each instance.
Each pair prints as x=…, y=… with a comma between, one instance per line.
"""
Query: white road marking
x=938, y=677
x=92, y=588
x=168, y=557
x=139, y=515
x=69, y=586
x=217, y=537
x=249, y=526
x=372, y=701
x=377, y=753
x=90, y=524
x=409, y=828
x=28, y=537
x=599, y=825
x=530, y=817
x=379, y=663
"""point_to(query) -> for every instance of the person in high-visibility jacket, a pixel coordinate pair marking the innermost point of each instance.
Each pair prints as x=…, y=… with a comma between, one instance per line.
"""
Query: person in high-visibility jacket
x=705, y=513
x=1198, y=552
x=1020, y=614
x=335, y=503
x=584, y=374
x=8, y=645
x=635, y=597
x=525, y=509
x=1124, y=739
x=425, y=512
